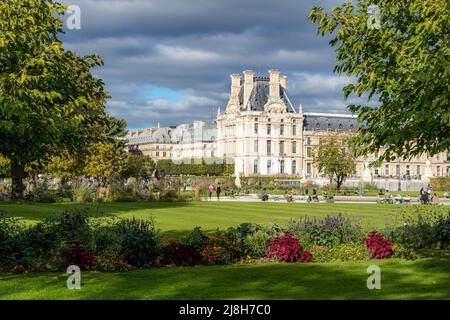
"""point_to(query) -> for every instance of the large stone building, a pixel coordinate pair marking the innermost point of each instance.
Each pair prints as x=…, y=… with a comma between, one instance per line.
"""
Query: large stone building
x=264, y=134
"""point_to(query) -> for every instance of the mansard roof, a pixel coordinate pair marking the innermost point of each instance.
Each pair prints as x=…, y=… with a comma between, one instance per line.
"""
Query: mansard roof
x=329, y=121
x=260, y=95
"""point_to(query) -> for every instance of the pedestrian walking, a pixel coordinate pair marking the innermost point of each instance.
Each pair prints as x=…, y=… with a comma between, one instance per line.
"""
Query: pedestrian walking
x=218, y=190
x=210, y=190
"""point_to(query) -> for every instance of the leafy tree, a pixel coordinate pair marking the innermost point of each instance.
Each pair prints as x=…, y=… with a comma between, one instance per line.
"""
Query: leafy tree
x=4, y=167
x=334, y=158
x=138, y=166
x=65, y=165
x=103, y=161
x=49, y=100
x=404, y=65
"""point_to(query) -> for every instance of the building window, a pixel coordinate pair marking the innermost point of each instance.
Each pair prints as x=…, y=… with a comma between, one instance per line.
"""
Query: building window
x=386, y=170
x=418, y=171
x=294, y=129
x=294, y=167
x=269, y=128
x=282, y=166
x=438, y=171
x=255, y=166
x=255, y=146
x=269, y=147
x=164, y=154
x=255, y=126
x=157, y=154
x=294, y=146
x=269, y=166
x=308, y=169
x=309, y=152
x=376, y=172
x=282, y=129
x=282, y=148
x=397, y=170
x=308, y=140
x=408, y=171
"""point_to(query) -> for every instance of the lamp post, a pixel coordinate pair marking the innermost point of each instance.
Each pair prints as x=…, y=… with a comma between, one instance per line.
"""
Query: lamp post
x=399, y=181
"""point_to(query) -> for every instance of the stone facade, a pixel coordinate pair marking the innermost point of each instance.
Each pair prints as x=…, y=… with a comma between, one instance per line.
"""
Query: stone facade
x=263, y=134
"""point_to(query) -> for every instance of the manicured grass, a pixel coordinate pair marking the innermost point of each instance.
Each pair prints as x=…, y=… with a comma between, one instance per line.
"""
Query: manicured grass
x=426, y=278
x=181, y=217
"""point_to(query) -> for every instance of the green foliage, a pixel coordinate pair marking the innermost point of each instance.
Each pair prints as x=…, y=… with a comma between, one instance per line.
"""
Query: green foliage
x=334, y=159
x=349, y=252
x=193, y=168
x=440, y=183
x=49, y=100
x=329, y=231
x=103, y=161
x=5, y=167
x=441, y=232
x=255, y=245
x=138, y=166
x=420, y=227
x=84, y=193
x=403, y=252
x=404, y=65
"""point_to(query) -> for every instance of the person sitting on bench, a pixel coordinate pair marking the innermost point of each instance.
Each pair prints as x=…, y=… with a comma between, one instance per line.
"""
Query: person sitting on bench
x=264, y=195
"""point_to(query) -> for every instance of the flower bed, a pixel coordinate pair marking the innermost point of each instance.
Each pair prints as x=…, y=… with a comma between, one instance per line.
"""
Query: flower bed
x=121, y=245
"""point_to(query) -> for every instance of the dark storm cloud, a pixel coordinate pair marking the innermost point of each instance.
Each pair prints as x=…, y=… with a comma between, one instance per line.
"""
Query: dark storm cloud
x=189, y=48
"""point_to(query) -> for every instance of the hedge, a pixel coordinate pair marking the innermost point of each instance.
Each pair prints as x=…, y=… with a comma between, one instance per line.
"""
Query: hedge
x=440, y=183
x=171, y=168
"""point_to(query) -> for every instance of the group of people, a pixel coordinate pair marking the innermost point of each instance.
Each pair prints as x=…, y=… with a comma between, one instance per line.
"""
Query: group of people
x=211, y=189
x=426, y=196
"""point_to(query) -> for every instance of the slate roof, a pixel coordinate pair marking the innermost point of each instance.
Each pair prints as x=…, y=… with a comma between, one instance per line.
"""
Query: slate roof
x=260, y=95
x=324, y=122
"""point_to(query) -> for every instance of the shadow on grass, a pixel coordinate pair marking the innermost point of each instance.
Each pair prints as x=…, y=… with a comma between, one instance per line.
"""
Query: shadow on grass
x=420, y=279
x=35, y=212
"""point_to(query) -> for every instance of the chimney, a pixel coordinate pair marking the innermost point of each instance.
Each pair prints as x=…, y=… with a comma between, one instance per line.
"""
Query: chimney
x=248, y=86
x=235, y=84
x=283, y=81
x=274, y=90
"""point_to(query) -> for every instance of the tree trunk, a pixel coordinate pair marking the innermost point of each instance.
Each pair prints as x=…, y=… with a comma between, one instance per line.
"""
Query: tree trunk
x=18, y=174
x=339, y=181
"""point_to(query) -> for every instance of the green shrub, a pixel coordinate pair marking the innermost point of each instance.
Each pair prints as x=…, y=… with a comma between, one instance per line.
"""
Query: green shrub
x=42, y=194
x=255, y=245
x=441, y=232
x=440, y=183
x=416, y=231
x=140, y=245
x=84, y=194
x=349, y=252
x=117, y=192
x=403, y=252
x=319, y=253
x=328, y=231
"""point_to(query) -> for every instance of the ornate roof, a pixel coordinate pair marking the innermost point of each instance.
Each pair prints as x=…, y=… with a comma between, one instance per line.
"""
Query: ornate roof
x=260, y=95
x=325, y=121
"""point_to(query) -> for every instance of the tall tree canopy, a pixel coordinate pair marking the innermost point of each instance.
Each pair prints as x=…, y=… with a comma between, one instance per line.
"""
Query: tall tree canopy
x=49, y=101
x=404, y=64
x=334, y=158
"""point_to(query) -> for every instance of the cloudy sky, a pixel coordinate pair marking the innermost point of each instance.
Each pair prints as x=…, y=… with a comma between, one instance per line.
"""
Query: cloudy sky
x=169, y=61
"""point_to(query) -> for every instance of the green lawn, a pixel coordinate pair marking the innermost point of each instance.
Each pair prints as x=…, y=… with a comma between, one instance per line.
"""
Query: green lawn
x=425, y=278
x=420, y=279
x=181, y=217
